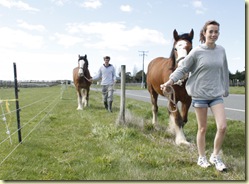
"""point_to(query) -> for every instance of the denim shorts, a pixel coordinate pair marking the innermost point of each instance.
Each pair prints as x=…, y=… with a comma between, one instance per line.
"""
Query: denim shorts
x=207, y=103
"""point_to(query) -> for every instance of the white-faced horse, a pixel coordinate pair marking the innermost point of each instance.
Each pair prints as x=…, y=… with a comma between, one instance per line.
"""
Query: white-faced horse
x=81, y=76
x=159, y=70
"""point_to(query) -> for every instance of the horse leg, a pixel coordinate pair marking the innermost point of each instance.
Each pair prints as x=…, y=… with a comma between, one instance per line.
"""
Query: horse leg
x=184, y=110
x=84, y=97
x=79, y=99
x=177, y=122
x=154, y=96
x=87, y=97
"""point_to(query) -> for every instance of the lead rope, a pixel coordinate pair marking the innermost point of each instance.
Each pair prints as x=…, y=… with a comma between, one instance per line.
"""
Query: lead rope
x=87, y=78
x=168, y=92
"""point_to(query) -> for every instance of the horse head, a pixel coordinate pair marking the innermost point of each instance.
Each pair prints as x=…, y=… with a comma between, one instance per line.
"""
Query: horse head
x=83, y=65
x=182, y=46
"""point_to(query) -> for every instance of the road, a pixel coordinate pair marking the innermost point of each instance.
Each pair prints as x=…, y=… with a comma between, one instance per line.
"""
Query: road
x=234, y=104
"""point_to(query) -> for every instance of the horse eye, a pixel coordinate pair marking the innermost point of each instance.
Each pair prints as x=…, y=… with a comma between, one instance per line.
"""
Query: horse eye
x=175, y=49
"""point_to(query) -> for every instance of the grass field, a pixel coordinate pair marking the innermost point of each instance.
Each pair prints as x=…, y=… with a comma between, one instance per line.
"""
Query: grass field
x=232, y=90
x=237, y=90
x=61, y=143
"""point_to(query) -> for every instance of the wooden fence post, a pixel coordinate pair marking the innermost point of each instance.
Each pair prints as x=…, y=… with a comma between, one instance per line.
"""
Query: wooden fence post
x=122, y=97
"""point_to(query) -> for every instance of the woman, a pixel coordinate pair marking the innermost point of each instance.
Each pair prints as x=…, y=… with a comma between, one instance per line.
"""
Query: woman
x=207, y=84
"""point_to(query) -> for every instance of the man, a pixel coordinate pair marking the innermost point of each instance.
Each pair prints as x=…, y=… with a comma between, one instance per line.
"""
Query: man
x=107, y=74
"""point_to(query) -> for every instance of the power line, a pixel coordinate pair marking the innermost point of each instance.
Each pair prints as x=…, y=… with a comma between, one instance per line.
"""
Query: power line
x=143, y=54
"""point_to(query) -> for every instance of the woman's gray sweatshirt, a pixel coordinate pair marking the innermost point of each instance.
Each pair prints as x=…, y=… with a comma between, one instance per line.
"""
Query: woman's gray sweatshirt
x=208, y=72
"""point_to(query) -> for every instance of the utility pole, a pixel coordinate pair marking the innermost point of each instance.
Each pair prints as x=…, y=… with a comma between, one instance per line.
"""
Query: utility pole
x=143, y=54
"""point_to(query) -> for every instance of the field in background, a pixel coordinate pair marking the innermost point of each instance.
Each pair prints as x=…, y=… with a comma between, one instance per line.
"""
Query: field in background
x=232, y=89
x=60, y=143
x=237, y=90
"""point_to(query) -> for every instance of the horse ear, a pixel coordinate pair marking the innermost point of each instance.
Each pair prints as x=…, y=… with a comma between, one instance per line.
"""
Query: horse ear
x=85, y=56
x=176, y=36
x=79, y=56
x=191, y=34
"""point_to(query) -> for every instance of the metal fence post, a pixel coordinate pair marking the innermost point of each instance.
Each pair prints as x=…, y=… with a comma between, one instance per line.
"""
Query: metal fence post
x=17, y=105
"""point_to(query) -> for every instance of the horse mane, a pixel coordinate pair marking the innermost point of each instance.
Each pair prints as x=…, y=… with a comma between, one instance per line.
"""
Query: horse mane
x=184, y=36
x=86, y=62
x=173, y=58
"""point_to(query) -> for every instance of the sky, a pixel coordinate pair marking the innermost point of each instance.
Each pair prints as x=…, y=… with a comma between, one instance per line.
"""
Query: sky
x=44, y=38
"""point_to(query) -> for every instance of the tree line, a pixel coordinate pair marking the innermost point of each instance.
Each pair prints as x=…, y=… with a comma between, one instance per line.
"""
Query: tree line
x=237, y=79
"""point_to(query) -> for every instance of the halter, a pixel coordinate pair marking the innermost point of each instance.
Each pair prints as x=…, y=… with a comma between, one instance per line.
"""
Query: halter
x=178, y=60
x=84, y=75
x=84, y=58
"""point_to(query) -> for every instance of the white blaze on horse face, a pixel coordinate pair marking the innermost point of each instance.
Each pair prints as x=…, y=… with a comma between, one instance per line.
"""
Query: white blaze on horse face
x=181, y=53
x=181, y=49
x=81, y=67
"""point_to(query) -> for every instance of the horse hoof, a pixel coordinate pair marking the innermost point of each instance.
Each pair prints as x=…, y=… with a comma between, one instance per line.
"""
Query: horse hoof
x=183, y=142
x=79, y=109
x=186, y=143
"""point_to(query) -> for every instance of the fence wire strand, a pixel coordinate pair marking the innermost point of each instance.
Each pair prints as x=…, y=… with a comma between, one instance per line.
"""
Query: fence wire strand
x=53, y=104
x=23, y=107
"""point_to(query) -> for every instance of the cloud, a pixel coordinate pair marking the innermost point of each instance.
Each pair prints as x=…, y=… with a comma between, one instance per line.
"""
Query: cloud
x=91, y=4
x=125, y=8
x=198, y=6
x=25, y=25
x=13, y=38
x=67, y=40
x=17, y=4
x=37, y=65
x=60, y=2
x=115, y=35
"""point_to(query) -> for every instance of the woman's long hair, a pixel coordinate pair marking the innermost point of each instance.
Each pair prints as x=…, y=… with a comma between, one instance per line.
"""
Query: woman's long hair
x=204, y=29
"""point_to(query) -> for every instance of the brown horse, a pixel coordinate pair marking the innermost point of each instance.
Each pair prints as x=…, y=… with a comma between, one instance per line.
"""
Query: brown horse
x=81, y=76
x=159, y=70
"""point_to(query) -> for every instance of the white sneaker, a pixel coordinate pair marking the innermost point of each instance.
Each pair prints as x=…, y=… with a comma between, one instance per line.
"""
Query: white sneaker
x=202, y=161
x=216, y=160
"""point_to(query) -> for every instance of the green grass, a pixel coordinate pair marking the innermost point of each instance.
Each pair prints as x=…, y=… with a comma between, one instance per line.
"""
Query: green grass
x=237, y=90
x=232, y=89
x=67, y=144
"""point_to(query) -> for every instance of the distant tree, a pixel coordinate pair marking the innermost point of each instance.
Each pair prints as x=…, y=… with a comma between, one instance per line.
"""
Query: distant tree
x=237, y=77
x=128, y=77
x=134, y=71
x=231, y=76
x=119, y=71
x=138, y=77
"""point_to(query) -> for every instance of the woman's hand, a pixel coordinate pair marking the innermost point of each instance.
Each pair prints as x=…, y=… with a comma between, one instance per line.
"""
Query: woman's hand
x=168, y=83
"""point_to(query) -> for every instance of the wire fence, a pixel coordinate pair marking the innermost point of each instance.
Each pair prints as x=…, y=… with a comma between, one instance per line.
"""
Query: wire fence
x=33, y=113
